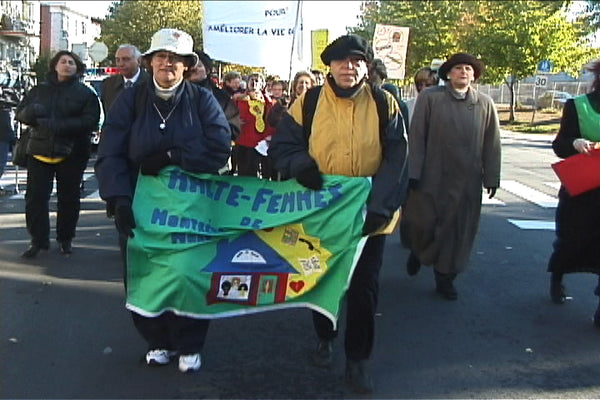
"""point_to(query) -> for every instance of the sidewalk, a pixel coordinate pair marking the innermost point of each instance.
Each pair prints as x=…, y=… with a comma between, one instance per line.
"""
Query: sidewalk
x=533, y=137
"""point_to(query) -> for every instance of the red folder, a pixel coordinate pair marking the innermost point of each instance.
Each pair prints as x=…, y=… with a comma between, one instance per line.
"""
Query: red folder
x=579, y=173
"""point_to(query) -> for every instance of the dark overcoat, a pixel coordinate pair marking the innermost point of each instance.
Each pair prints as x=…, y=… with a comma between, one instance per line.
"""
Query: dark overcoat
x=577, y=244
x=454, y=149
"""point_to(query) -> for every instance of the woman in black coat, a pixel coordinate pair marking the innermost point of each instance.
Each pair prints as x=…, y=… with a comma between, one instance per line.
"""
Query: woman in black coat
x=62, y=112
x=577, y=244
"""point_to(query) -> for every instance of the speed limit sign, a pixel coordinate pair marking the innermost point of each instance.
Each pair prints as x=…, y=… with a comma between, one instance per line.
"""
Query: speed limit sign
x=541, y=81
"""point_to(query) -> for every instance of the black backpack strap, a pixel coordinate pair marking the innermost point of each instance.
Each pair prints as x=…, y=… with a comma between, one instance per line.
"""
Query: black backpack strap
x=382, y=109
x=308, y=109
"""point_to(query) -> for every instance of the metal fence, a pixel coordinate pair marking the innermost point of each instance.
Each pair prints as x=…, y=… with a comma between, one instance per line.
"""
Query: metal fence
x=525, y=92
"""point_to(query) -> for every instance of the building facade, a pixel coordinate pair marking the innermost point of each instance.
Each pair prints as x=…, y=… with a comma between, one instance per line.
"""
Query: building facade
x=33, y=28
x=19, y=36
x=65, y=29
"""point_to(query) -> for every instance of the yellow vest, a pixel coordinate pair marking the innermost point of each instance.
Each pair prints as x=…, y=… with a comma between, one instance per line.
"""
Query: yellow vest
x=344, y=136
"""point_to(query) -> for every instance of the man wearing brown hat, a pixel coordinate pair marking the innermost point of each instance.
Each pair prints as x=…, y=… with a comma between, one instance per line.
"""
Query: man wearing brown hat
x=454, y=150
x=345, y=137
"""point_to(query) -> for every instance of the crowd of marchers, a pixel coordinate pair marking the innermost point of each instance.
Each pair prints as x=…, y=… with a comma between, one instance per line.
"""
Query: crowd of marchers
x=431, y=158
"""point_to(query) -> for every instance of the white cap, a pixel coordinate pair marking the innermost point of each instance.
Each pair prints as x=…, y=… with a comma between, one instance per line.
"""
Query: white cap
x=175, y=41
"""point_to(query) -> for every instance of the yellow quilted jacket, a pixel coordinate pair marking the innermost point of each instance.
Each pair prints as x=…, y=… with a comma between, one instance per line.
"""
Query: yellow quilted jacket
x=344, y=136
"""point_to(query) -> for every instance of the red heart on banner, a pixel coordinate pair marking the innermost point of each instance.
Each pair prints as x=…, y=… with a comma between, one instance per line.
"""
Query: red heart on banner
x=297, y=286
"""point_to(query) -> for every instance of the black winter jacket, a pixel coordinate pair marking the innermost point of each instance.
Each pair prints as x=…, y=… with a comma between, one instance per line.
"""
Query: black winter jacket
x=62, y=116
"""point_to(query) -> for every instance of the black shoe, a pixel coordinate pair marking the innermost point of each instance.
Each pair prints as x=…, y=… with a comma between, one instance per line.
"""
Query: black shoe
x=357, y=377
x=557, y=290
x=323, y=355
x=444, y=285
x=65, y=247
x=33, y=250
x=413, y=265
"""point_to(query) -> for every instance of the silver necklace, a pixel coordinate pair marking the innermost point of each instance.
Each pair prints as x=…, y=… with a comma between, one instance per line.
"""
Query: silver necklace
x=163, y=124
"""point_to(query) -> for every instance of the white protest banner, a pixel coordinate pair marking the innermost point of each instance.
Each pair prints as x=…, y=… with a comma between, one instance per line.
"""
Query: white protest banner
x=390, y=44
x=253, y=33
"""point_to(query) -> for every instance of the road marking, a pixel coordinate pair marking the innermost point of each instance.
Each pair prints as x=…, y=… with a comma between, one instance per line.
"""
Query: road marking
x=553, y=185
x=533, y=224
x=491, y=202
x=17, y=220
x=529, y=194
x=23, y=186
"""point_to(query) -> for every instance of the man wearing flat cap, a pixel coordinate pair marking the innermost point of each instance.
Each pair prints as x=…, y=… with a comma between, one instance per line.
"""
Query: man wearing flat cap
x=454, y=150
x=346, y=138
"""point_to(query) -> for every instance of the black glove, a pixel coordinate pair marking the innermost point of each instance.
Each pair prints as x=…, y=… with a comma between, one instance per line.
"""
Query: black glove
x=491, y=191
x=124, y=217
x=413, y=183
x=32, y=112
x=110, y=208
x=310, y=178
x=154, y=163
x=373, y=223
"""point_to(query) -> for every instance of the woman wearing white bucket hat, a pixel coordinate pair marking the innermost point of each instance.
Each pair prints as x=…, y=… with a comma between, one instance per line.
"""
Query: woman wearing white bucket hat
x=167, y=121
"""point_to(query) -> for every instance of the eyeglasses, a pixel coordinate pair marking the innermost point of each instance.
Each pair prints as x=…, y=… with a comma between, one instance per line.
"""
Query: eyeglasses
x=170, y=57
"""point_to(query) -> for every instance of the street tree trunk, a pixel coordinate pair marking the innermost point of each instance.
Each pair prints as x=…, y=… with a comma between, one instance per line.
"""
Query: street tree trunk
x=510, y=82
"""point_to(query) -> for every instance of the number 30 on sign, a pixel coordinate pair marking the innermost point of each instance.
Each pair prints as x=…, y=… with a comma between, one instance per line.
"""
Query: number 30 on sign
x=541, y=81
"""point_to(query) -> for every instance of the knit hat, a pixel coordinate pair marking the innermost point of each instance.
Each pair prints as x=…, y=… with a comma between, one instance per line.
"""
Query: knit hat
x=461, y=58
x=345, y=46
x=174, y=41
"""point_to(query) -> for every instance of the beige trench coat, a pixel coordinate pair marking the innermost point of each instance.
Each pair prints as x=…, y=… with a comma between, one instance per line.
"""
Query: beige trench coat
x=454, y=150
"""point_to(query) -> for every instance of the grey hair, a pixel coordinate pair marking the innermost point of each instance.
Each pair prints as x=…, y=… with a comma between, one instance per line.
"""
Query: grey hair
x=136, y=52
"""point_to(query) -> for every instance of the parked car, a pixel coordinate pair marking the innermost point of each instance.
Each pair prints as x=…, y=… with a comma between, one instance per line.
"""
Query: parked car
x=553, y=99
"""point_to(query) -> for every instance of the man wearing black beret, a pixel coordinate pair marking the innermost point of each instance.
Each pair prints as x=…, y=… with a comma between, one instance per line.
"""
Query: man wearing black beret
x=349, y=135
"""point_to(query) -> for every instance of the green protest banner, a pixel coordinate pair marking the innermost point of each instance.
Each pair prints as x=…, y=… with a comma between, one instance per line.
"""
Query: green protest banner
x=210, y=246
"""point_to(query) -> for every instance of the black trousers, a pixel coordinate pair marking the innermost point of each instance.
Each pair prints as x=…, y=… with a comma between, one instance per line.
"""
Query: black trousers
x=233, y=159
x=361, y=304
x=248, y=160
x=40, y=177
x=172, y=332
x=267, y=169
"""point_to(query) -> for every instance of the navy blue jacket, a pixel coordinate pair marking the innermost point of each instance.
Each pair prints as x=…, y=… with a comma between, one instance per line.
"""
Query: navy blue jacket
x=197, y=135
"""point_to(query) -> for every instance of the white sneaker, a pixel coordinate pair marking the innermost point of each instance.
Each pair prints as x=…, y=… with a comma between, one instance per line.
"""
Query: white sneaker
x=189, y=362
x=159, y=357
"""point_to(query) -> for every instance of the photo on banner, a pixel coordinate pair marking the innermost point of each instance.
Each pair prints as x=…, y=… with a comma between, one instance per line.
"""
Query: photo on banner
x=390, y=44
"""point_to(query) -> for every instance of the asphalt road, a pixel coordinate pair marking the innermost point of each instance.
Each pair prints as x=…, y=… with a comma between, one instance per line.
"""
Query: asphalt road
x=65, y=333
